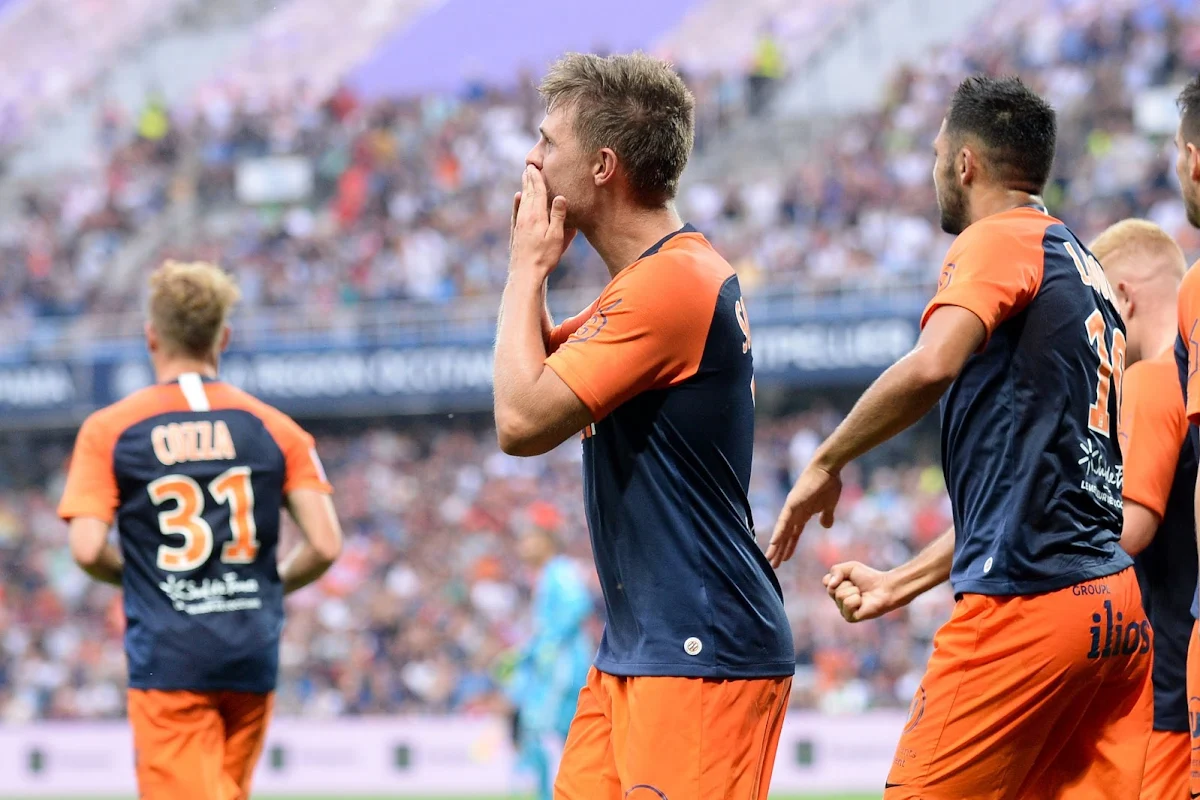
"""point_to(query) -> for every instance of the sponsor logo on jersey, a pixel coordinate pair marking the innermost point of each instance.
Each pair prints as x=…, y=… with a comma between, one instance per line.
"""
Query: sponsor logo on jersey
x=209, y=596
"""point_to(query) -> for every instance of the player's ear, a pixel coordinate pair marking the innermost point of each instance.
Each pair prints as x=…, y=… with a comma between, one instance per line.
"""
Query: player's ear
x=968, y=166
x=604, y=166
x=1125, y=301
x=226, y=334
x=1193, y=162
x=152, y=342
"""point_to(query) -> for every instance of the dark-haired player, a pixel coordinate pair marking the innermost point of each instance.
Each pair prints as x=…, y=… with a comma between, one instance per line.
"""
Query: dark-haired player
x=687, y=697
x=1187, y=356
x=194, y=473
x=1038, y=686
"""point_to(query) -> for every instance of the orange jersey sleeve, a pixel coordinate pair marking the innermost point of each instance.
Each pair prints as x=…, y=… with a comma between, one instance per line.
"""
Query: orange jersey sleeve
x=644, y=333
x=564, y=329
x=1189, y=330
x=994, y=269
x=91, y=489
x=302, y=465
x=1153, y=427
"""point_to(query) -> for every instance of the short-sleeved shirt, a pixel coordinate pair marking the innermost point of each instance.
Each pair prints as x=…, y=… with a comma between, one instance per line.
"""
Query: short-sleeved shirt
x=1187, y=360
x=663, y=362
x=1160, y=474
x=1029, y=428
x=194, y=474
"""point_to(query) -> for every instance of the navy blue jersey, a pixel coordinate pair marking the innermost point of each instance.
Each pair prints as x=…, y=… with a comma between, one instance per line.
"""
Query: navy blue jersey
x=1160, y=474
x=663, y=362
x=194, y=474
x=1029, y=429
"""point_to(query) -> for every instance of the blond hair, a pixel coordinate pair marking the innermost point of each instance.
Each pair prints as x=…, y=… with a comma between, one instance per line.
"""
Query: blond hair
x=634, y=104
x=189, y=305
x=1142, y=249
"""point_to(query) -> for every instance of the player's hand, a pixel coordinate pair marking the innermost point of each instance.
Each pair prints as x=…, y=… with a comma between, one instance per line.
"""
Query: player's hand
x=816, y=492
x=539, y=235
x=860, y=592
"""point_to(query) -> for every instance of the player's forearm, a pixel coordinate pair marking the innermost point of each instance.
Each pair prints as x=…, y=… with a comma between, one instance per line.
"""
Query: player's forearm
x=907, y=391
x=107, y=566
x=521, y=338
x=930, y=568
x=547, y=321
x=1139, y=528
x=302, y=566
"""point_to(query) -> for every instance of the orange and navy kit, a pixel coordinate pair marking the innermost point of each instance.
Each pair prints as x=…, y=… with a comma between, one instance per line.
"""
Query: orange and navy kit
x=193, y=473
x=1039, y=684
x=1187, y=360
x=690, y=685
x=1160, y=474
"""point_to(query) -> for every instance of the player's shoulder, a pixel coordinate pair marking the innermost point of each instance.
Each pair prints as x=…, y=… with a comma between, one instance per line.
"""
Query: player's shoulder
x=151, y=401
x=1157, y=378
x=1190, y=285
x=680, y=268
x=225, y=397
x=1151, y=393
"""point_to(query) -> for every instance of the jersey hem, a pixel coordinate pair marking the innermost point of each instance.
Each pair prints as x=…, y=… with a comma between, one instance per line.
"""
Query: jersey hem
x=1025, y=588
x=203, y=686
x=1171, y=727
x=774, y=669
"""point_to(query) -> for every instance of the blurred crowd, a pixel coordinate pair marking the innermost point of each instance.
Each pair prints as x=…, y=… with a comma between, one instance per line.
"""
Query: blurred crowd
x=409, y=199
x=430, y=593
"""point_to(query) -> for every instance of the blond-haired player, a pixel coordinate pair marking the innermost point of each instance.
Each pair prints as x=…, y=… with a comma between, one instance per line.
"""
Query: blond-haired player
x=1145, y=266
x=193, y=473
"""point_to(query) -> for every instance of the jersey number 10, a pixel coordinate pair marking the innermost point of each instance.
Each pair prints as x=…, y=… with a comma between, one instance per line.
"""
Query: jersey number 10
x=1110, y=371
x=186, y=519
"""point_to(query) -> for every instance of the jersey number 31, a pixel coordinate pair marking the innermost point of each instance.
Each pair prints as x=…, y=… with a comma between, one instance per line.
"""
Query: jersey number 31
x=186, y=519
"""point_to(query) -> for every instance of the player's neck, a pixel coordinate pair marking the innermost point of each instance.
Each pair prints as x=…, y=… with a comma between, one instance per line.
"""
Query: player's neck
x=998, y=199
x=623, y=237
x=170, y=370
x=1161, y=337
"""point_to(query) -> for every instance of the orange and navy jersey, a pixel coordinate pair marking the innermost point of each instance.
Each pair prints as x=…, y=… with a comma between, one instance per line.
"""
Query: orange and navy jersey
x=663, y=361
x=1160, y=474
x=194, y=474
x=1030, y=444
x=1187, y=360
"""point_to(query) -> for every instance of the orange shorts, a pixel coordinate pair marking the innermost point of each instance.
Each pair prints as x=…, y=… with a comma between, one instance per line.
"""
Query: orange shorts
x=1044, y=696
x=1168, y=761
x=197, y=745
x=1193, y=693
x=650, y=738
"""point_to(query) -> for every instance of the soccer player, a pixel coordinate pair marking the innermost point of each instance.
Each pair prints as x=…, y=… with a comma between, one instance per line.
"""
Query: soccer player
x=553, y=666
x=1144, y=265
x=193, y=473
x=1187, y=356
x=1039, y=684
x=694, y=671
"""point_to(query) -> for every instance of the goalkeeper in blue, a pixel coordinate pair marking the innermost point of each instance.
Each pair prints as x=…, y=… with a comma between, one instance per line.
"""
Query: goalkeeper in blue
x=552, y=668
